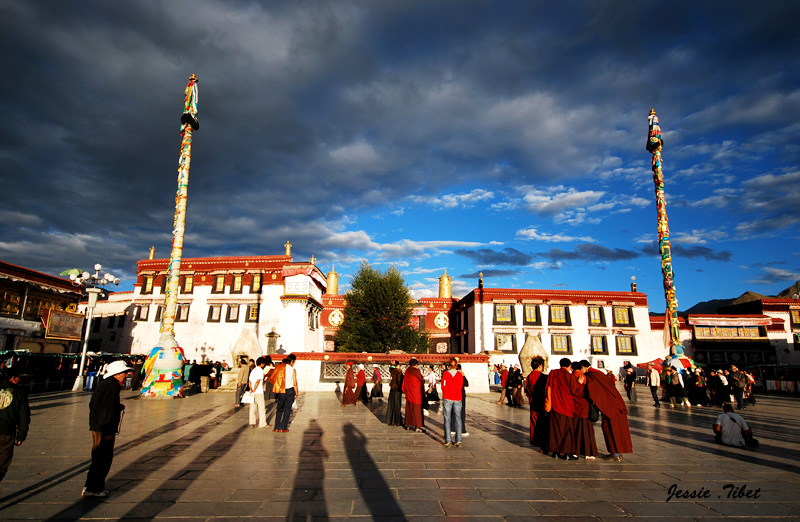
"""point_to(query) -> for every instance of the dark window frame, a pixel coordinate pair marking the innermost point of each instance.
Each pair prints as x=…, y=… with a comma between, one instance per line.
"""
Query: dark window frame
x=602, y=313
x=260, y=279
x=250, y=307
x=214, y=284
x=511, y=322
x=147, y=280
x=634, y=351
x=228, y=318
x=552, y=344
x=211, y=309
x=513, y=342
x=629, y=310
x=538, y=321
x=138, y=313
x=567, y=315
x=234, y=278
x=179, y=316
x=186, y=278
x=604, y=338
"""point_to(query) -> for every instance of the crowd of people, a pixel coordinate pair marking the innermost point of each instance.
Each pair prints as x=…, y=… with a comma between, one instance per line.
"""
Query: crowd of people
x=262, y=383
x=688, y=388
x=420, y=391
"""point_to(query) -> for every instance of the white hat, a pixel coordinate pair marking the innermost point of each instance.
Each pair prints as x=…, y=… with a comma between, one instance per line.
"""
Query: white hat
x=361, y=366
x=116, y=367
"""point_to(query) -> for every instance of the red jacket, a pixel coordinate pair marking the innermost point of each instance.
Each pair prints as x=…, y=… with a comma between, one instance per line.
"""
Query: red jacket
x=503, y=377
x=452, y=384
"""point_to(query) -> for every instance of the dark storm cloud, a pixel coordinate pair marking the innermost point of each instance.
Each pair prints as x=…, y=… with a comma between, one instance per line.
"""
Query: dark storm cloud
x=691, y=252
x=491, y=273
x=486, y=256
x=589, y=252
x=310, y=111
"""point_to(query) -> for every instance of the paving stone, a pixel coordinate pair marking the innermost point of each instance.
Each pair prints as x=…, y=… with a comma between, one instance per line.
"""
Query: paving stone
x=195, y=459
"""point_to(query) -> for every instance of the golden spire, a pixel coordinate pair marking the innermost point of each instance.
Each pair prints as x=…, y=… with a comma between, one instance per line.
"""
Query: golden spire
x=152, y=252
x=333, y=282
x=288, y=248
x=445, y=286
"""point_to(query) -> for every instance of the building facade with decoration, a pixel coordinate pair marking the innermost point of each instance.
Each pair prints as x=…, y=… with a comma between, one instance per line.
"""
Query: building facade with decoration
x=606, y=328
x=26, y=298
x=228, y=304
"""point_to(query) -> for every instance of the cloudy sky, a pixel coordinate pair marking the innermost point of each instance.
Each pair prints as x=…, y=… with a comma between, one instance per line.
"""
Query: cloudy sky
x=499, y=137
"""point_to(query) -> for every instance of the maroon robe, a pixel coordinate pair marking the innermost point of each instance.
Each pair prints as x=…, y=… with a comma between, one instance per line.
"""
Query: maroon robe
x=349, y=396
x=535, y=389
x=361, y=380
x=563, y=388
x=585, y=442
x=604, y=394
x=413, y=382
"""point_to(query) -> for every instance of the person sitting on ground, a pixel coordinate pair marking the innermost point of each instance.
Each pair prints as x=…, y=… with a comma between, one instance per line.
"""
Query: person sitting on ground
x=730, y=428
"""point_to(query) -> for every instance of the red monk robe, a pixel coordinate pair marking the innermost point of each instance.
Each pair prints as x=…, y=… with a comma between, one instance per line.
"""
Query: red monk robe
x=349, y=396
x=412, y=387
x=584, y=429
x=535, y=389
x=563, y=388
x=604, y=394
x=361, y=380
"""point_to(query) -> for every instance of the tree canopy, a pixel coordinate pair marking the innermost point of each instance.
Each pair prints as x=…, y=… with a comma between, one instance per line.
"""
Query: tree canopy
x=377, y=314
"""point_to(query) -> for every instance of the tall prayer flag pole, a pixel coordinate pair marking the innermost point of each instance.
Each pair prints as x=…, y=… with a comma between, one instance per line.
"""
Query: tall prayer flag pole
x=671, y=326
x=164, y=365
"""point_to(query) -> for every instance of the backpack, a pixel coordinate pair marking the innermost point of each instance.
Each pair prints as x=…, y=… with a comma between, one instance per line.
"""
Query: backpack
x=6, y=396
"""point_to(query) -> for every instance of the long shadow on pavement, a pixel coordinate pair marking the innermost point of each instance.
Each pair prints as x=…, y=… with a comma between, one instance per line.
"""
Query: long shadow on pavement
x=82, y=467
x=378, y=497
x=153, y=460
x=162, y=498
x=685, y=438
x=308, y=493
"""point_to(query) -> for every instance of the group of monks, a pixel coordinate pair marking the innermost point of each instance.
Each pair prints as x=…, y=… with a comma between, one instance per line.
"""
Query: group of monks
x=412, y=384
x=561, y=402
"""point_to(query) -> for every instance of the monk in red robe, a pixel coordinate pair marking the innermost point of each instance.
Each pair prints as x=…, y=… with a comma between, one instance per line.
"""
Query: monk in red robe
x=584, y=429
x=361, y=381
x=413, y=383
x=349, y=395
x=616, y=431
x=563, y=389
x=536, y=389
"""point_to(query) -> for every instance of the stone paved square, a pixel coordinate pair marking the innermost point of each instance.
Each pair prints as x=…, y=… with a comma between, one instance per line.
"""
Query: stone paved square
x=196, y=459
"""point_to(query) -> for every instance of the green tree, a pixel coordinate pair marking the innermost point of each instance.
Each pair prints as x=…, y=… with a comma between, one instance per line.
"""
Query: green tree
x=377, y=314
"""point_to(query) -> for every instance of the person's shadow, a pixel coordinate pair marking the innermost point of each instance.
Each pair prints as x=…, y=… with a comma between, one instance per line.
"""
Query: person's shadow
x=374, y=489
x=308, y=493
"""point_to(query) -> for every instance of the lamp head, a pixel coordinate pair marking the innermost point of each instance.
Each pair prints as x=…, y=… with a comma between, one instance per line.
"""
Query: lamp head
x=98, y=267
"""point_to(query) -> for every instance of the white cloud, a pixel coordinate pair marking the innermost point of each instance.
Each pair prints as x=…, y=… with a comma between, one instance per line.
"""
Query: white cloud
x=454, y=200
x=556, y=200
x=532, y=234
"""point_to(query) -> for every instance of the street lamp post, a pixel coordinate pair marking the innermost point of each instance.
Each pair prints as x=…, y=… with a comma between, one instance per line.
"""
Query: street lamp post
x=92, y=282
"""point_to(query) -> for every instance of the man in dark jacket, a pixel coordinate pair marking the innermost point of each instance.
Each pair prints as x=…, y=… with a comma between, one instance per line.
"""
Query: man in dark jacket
x=105, y=410
x=15, y=416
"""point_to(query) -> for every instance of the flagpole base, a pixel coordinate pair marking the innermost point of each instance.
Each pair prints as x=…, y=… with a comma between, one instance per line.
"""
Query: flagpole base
x=164, y=370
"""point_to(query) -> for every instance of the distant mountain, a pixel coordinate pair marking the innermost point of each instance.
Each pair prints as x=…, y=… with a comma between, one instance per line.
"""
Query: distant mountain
x=789, y=292
x=708, y=307
x=711, y=307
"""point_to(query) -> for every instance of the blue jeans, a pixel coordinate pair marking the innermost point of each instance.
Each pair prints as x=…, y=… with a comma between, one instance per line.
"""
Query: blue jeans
x=452, y=409
x=284, y=409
